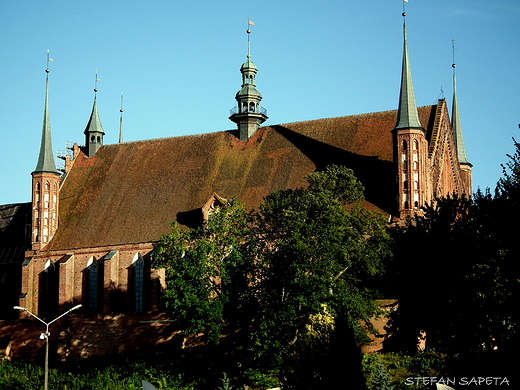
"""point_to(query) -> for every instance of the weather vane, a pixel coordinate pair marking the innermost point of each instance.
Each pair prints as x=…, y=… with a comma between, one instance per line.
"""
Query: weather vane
x=453, y=65
x=49, y=59
x=95, y=83
x=121, y=121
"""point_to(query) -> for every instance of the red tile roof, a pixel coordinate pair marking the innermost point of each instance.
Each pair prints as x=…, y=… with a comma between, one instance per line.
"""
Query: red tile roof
x=130, y=192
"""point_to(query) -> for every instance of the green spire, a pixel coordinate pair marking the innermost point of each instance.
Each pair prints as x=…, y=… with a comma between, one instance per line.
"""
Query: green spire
x=248, y=114
x=407, y=116
x=46, y=159
x=94, y=131
x=456, y=126
x=94, y=123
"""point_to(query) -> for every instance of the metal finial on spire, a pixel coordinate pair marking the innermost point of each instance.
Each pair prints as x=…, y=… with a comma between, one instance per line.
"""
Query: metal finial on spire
x=49, y=59
x=453, y=65
x=404, y=8
x=95, y=83
x=248, y=31
x=121, y=121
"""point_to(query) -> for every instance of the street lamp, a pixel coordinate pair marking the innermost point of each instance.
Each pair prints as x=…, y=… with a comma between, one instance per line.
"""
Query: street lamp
x=46, y=337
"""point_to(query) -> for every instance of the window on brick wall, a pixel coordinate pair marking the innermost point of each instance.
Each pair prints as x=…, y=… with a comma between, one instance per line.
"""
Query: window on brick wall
x=93, y=284
x=138, y=264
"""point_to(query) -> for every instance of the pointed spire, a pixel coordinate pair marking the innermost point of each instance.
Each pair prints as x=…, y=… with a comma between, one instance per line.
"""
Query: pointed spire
x=94, y=123
x=46, y=159
x=407, y=117
x=94, y=131
x=455, y=118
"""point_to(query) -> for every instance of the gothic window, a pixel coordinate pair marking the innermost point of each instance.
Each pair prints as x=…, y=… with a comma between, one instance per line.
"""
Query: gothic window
x=48, y=290
x=92, y=138
x=98, y=139
x=47, y=186
x=416, y=204
x=92, y=284
x=405, y=146
x=251, y=107
x=415, y=145
x=405, y=184
x=138, y=264
x=416, y=165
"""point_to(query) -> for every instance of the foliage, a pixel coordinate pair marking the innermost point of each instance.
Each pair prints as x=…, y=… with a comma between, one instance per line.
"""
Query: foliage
x=391, y=370
x=282, y=281
x=459, y=259
x=83, y=376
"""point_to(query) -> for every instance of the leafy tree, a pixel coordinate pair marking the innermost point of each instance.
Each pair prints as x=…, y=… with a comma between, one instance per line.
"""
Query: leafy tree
x=292, y=276
x=455, y=266
x=207, y=273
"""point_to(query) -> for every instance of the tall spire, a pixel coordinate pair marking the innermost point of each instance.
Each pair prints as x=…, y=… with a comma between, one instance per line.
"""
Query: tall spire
x=248, y=114
x=455, y=117
x=46, y=159
x=407, y=117
x=45, y=183
x=94, y=131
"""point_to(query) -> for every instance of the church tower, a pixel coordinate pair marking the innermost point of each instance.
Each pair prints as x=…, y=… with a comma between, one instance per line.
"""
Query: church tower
x=45, y=184
x=94, y=131
x=410, y=148
x=465, y=165
x=248, y=114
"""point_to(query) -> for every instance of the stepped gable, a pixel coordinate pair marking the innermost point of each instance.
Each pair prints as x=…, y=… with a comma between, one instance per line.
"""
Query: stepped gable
x=130, y=192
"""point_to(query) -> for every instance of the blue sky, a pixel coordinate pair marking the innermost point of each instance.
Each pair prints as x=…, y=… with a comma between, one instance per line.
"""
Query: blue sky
x=177, y=64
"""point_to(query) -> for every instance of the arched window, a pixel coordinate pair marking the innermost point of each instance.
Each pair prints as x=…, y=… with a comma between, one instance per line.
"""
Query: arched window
x=92, y=284
x=405, y=146
x=138, y=264
x=48, y=290
x=415, y=145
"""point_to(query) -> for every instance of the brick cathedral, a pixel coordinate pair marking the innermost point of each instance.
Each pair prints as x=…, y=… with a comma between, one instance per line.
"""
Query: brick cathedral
x=86, y=236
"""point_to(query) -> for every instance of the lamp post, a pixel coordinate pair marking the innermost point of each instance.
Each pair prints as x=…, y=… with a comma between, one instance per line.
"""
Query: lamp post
x=46, y=337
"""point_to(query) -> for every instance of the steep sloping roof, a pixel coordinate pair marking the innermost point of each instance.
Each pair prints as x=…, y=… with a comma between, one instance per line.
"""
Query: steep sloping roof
x=15, y=220
x=130, y=192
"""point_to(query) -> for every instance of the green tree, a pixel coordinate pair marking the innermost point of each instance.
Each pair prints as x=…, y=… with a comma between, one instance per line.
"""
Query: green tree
x=292, y=276
x=456, y=273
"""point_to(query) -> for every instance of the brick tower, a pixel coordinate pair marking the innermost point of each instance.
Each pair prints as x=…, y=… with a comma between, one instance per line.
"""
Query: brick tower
x=45, y=185
x=410, y=146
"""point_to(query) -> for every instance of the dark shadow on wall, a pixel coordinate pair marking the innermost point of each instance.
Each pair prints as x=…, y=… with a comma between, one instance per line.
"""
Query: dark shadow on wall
x=377, y=176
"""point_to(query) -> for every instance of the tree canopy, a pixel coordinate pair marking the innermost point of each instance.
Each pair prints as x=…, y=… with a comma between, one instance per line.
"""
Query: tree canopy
x=282, y=280
x=456, y=272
